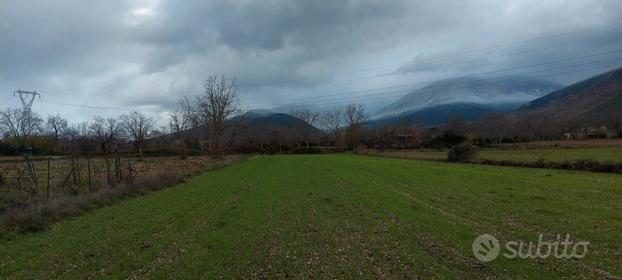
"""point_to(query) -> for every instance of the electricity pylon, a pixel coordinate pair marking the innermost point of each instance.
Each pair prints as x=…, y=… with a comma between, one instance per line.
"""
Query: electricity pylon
x=27, y=97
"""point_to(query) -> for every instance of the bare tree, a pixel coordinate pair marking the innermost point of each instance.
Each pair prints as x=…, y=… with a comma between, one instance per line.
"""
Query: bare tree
x=138, y=127
x=80, y=129
x=216, y=106
x=189, y=112
x=20, y=124
x=104, y=132
x=178, y=122
x=56, y=126
x=331, y=121
x=277, y=137
x=77, y=135
x=355, y=116
x=493, y=126
x=308, y=117
x=158, y=132
x=181, y=119
x=456, y=125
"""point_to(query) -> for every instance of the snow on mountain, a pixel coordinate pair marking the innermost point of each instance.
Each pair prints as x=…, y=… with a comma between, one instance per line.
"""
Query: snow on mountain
x=503, y=90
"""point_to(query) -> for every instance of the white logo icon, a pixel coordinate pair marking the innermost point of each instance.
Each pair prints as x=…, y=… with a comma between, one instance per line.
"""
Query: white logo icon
x=486, y=248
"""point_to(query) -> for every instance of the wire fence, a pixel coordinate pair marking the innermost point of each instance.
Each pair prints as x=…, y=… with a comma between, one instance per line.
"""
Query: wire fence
x=26, y=179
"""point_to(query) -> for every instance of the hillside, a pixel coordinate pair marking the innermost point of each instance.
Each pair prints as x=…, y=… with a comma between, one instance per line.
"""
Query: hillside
x=439, y=114
x=257, y=126
x=503, y=91
x=285, y=125
x=595, y=98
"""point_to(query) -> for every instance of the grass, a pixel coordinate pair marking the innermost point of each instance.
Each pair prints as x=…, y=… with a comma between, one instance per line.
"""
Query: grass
x=334, y=216
x=555, y=155
x=584, y=143
x=414, y=154
x=601, y=154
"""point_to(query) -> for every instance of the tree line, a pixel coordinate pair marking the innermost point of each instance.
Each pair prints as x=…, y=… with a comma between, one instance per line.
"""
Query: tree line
x=213, y=122
x=24, y=131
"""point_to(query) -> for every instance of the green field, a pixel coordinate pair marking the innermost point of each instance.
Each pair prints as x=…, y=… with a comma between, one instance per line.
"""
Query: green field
x=335, y=216
x=555, y=155
x=602, y=154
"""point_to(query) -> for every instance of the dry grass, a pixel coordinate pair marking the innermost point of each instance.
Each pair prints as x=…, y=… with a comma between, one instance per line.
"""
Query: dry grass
x=35, y=213
x=15, y=170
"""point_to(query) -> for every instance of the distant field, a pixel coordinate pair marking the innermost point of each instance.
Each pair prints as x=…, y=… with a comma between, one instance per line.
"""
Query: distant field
x=335, y=216
x=555, y=154
x=613, y=154
x=590, y=143
x=415, y=154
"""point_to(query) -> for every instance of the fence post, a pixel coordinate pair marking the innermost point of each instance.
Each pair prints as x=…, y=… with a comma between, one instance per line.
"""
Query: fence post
x=33, y=175
x=19, y=176
x=2, y=181
x=88, y=164
x=78, y=169
x=108, y=170
x=47, y=188
x=73, y=169
x=117, y=167
x=129, y=170
x=67, y=178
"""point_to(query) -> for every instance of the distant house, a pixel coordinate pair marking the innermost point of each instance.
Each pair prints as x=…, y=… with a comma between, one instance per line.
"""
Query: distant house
x=587, y=133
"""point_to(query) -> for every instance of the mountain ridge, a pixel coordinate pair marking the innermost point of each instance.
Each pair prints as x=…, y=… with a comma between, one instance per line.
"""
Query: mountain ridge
x=498, y=90
x=590, y=98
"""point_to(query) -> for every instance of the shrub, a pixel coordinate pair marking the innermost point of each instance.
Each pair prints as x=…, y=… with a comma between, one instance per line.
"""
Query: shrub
x=464, y=152
x=305, y=150
x=24, y=219
x=182, y=149
x=37, y=215
x=155, y=182
x=579, y=164
x=445, y=140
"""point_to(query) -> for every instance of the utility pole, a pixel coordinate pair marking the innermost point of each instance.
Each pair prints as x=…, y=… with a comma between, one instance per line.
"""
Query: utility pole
x=27, y=98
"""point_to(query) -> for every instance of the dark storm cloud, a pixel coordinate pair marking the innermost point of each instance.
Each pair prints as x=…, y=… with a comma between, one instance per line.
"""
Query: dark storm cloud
x=45, y=36
x=146, y=54
x=284, y=33
x=589, y=48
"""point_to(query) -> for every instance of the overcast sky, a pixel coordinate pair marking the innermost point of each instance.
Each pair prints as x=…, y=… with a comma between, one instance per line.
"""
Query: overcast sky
x=146, y=54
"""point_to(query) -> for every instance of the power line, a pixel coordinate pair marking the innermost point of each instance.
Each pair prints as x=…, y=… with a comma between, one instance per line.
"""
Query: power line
x=88, y=106
x=392, y=94
x=300, y=99
x=336, y=99
x=492, y=79
x=461, y=62
x=440, y=80
x=400, y=93
x=450, y=54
